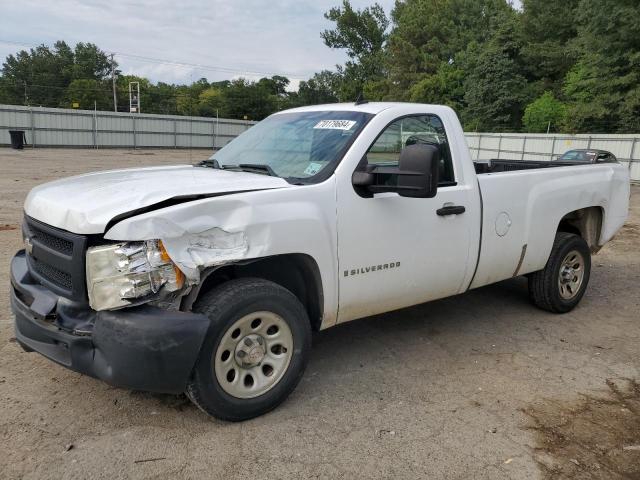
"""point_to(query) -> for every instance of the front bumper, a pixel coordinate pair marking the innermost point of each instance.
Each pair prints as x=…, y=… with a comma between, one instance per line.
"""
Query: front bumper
x=142, y=348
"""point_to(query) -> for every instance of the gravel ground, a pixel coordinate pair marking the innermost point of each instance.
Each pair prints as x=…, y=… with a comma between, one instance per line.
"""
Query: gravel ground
x=480, y=386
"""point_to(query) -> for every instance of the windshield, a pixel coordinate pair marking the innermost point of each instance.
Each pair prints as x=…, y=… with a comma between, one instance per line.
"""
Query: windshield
x=297, y=145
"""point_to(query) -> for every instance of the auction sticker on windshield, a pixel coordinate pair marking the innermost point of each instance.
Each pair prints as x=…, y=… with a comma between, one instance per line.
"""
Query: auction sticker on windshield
x=335, y=124
x=313, y=168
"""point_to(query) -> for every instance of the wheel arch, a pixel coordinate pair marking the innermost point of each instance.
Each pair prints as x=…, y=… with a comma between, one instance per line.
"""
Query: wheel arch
x=297, y=272
x=585, y=222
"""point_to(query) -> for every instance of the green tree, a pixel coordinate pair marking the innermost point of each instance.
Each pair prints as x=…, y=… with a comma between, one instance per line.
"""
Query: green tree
x=603, y=87
x=4, y=91
x=543, y=114
x=276, y=88
x=186, y=100
x=276, y=85
x=446, y=87
x=494, y=90
x=211, y=102
x=162, y=99
x=548, y=29
x=89, y=62
x=244, y=98
x=36, y=77
x=363, y=34
x=42, y=75
x=427, y=33
x=187, y=97
x=87, y=91
x=321, y=88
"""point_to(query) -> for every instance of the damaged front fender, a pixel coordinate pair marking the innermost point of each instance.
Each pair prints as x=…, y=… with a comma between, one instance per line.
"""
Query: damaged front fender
x=216, y=231
x=193, y=240
x=196, y=251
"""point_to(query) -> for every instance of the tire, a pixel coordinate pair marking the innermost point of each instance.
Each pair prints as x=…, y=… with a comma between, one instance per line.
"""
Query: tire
x=554, y=288
x=239, y=306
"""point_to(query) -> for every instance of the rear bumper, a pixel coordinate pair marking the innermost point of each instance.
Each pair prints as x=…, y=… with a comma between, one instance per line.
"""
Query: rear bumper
x=142, y=348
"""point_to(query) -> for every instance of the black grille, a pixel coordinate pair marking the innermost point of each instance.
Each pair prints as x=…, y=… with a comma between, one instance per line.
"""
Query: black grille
x=55, y=243
x=53, y=274
x=57, y=259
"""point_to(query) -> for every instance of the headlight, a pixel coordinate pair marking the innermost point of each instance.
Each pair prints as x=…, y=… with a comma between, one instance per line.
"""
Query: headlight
x=124, y=273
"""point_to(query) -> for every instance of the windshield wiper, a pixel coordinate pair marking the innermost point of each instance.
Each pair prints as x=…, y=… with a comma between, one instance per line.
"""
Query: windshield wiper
x=257, y=168
x=209, y=162
x=243, y=167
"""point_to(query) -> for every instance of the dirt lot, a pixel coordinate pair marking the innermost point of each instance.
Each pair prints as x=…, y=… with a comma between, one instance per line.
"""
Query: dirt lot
x=480, y=386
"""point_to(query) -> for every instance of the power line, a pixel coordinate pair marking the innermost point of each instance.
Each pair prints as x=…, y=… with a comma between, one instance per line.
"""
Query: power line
x=177, y=63
x=207, y=67
x=105, y=89
x=18, y=44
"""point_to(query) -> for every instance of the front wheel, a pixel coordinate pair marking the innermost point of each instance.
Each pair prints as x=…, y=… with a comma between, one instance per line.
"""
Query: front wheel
x=561, y=284
x=255, y=352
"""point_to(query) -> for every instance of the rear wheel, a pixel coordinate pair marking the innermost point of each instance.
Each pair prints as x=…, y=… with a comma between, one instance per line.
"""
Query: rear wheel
x=255, y=351
x=560, y=285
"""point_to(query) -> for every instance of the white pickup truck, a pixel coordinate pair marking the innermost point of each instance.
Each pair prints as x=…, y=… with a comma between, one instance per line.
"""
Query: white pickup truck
x=209, y=279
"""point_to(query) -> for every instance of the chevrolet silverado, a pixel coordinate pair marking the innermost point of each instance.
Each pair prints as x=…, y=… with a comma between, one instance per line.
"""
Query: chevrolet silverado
x=209, y=279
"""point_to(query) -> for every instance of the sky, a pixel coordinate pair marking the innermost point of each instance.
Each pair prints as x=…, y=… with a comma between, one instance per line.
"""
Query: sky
x=219, y=39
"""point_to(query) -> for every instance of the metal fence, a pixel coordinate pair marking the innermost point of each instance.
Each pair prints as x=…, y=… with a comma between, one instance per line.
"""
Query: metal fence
x=532, y=146
x=59, y=127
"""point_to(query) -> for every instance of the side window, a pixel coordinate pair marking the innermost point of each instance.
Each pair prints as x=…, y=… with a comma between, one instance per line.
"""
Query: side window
x=420, y=129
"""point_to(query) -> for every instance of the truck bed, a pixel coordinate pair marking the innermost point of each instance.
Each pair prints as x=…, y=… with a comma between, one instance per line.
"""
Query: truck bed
x=495, y=165
x=521, y=210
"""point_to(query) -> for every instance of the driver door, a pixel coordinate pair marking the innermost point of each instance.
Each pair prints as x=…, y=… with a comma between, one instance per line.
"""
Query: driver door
x=396, y=251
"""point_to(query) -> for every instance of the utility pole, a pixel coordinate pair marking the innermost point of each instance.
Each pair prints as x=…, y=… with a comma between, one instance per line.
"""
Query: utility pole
x=217, y=129
x=113, y=82
x=26, y=98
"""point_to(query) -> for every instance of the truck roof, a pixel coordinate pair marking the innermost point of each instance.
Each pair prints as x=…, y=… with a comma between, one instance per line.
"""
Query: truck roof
x=368, y=107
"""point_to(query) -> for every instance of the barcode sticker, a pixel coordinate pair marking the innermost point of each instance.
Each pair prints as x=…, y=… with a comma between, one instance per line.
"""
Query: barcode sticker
x=335, y=124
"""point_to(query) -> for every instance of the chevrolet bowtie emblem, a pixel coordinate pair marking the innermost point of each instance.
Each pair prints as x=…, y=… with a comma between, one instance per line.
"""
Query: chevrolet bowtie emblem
x=28, y=246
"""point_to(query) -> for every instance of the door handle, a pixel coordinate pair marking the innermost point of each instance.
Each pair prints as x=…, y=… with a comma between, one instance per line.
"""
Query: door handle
x=450, y=210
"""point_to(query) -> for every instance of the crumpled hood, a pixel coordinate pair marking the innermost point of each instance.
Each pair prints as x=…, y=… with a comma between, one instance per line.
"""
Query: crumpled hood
x=85, y=204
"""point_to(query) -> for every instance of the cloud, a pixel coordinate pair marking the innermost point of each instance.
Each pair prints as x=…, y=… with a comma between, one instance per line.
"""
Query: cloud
x=237, y=38
x=249, y=38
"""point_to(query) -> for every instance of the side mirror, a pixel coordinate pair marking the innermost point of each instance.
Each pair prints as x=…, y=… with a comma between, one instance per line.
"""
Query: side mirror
x=424, y=160
x=416, y=175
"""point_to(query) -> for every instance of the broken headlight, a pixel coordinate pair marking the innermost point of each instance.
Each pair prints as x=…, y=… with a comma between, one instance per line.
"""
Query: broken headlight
x=127, y=273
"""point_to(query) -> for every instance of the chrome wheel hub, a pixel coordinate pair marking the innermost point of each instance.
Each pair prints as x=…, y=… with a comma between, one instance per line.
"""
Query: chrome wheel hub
x=253, y=355
x=571, y=274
